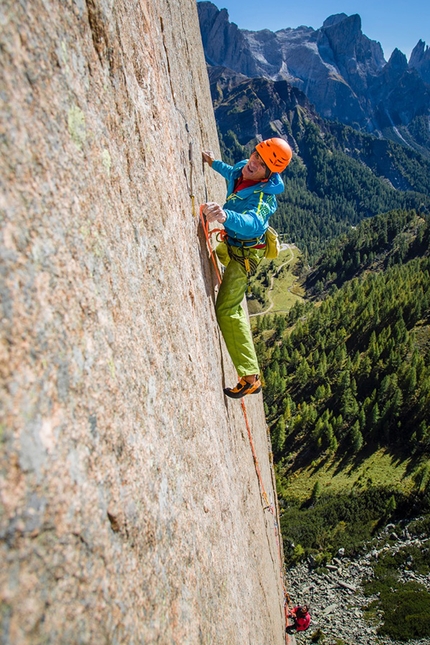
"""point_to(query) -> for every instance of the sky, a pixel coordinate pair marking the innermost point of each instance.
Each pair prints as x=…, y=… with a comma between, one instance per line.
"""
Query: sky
x=393, y=23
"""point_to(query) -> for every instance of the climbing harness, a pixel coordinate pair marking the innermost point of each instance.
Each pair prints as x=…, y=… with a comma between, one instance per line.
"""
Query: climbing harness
x=241, y=255
x=238, y=253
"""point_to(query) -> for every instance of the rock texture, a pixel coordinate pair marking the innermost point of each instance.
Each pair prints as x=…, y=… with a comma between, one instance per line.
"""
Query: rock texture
x=130, y=507
x=341, y=71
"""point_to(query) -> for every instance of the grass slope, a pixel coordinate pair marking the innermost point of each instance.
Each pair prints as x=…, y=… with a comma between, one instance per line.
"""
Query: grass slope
x=275, y=288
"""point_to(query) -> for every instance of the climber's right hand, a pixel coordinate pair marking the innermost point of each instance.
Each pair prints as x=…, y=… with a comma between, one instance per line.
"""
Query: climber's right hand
x=214, y=213
x=208, y=157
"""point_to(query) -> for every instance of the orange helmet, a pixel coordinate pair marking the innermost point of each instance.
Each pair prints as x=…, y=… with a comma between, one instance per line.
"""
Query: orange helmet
x=276, y=154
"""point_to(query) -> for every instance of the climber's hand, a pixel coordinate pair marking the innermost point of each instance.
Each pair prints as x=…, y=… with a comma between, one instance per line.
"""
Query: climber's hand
x=214, y=212
x=208, y=156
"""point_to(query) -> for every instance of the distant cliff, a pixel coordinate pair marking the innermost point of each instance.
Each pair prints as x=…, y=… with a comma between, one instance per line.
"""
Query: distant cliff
x=341, y=71
x=130, y=509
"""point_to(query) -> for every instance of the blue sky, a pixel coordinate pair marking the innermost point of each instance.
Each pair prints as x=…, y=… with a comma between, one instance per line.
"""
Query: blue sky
x=394, y=23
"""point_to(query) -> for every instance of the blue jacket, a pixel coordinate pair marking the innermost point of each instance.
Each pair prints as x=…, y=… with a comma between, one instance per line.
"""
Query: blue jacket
x=248, y=211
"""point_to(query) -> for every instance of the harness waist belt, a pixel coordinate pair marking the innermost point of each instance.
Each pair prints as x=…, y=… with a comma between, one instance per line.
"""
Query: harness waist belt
x=254, y=244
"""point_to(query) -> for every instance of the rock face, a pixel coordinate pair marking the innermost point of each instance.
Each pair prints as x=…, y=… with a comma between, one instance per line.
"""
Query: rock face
x=339, y=69
x=130, y=507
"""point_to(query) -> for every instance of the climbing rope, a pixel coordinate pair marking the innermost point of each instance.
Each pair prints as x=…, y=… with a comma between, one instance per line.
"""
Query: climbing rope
x=266, y=504
x=256, y=464
x=208, y=234
x=271, y=508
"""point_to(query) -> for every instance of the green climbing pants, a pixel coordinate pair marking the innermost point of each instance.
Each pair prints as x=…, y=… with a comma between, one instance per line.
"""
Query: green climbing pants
x=231, y=316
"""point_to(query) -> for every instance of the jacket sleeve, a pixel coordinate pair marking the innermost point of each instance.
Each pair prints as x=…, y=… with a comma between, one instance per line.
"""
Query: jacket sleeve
x=253, y=221
x=222, y=168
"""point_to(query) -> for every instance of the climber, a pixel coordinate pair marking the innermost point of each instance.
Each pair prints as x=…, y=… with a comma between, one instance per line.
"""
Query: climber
x=252, y=186
x=301, y=619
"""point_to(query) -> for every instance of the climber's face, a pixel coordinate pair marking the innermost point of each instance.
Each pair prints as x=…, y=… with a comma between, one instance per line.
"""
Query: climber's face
x=255, y=169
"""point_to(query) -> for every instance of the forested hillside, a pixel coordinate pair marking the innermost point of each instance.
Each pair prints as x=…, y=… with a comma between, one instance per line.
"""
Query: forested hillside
x=350, y=375
x=354, y=371
x=378, y=243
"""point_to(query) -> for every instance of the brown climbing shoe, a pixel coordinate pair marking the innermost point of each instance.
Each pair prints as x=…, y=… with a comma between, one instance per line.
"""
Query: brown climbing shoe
x=243, y=388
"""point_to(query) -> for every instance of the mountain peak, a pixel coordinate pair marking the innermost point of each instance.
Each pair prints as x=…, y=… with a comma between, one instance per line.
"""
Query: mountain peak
x=398, y=60
x=343, y=72
x=334, y=19
x=343, y=31
x=420, y=49
x=420, y=60
x=352, y=23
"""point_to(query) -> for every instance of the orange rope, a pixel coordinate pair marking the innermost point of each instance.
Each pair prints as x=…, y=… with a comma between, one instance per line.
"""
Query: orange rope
x=208, y=233
x=254, y=454
x=268, y=506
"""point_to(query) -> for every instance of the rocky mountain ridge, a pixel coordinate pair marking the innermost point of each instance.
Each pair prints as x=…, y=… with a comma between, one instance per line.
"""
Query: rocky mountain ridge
x=341, y=71
x=254, y=108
